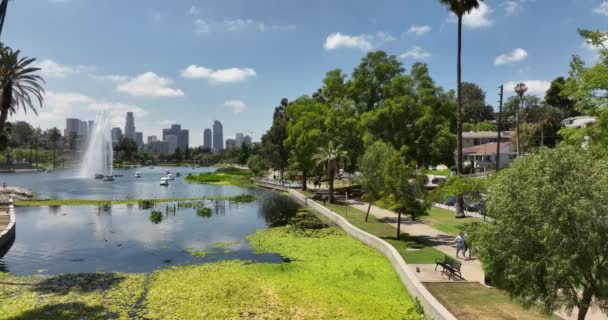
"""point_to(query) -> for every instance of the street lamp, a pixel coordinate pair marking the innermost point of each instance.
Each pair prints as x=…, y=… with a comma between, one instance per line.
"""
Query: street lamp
x=520, y=89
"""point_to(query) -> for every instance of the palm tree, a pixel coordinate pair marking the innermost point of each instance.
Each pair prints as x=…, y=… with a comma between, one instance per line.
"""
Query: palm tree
x=460, y=8
x=54, y=136
x=3, y=7
x=330, y=158
x=19, y=83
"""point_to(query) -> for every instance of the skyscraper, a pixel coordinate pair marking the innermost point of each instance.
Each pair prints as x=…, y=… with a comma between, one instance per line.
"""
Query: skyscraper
x=239, y=139
x=139, y=139
x=171, y=140
x=183, y=136
x=230, y=143
x=91, y=127
x=218, y=137
x=71, y=126
x=116, y=135
x=130, y=126
x=207, y=139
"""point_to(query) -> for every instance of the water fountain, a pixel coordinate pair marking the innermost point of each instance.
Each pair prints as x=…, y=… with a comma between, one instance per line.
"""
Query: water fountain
x=99, y=156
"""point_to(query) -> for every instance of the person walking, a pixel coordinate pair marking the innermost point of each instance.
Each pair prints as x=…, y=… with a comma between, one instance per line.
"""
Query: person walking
x=460, y=245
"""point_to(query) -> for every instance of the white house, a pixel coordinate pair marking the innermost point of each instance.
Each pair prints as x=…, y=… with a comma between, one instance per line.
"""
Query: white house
x=483, y=156
x=578, y=122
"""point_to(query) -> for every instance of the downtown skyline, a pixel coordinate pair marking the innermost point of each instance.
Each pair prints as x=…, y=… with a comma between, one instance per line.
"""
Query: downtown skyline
x=235, y=60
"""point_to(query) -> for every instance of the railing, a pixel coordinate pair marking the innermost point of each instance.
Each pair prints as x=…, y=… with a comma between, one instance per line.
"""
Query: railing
x=277, y=184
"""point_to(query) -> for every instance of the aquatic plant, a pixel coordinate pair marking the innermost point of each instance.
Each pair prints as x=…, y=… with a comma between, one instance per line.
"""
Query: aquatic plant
x=204, y=212
x=156, y=217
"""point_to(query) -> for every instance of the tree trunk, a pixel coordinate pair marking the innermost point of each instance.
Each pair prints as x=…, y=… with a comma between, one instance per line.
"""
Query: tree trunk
x=368, y=208
x=398, y=225
x=304, y=178
x=330, y=182
x=584, y=304
x=459, y=200
x=5, y=104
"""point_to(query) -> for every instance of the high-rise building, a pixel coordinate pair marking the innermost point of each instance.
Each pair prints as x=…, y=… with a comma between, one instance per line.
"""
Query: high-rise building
x=230, y=143
x=239, y=139
x=158, y=147
x=130, y=126
x=207, y=138
x=139, y=139
x=116, y=135
x=91, y=127
x=83, y=131
x=171, y=140
x=218, y=137
x=183, y=136
x=152, y=138
x=71, y=126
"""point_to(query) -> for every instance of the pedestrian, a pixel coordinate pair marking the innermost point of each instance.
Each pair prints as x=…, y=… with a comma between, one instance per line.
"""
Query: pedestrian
x=3, y=184
x=460, y=245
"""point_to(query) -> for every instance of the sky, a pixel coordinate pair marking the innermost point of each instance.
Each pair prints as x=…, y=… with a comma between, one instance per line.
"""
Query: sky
x=195, y=61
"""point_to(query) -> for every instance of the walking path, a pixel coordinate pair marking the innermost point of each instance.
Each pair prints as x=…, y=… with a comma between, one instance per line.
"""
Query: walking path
x=471, y=269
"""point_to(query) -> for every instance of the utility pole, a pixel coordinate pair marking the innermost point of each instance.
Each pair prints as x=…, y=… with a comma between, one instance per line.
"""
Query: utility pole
x=499, y=126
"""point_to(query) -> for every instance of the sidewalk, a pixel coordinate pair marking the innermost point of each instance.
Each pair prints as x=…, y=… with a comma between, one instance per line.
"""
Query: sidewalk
x=471, y=269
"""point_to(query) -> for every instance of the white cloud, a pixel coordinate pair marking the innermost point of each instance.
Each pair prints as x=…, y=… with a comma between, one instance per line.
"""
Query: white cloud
x=477, y=18
x=602, y=8
x=201, y=26
x=64, y=102
x=237, y=106
x=535, y=87
x=117, y=111
x=415, y=53
x=516, y=55
x=238, y=24
x=511, y=7
x=52, y=69
x=149, y=84
x=194, y=10
x=112, y=77
x=595, y=51
x=338, y=40
x=218, y=76
x=419, y=30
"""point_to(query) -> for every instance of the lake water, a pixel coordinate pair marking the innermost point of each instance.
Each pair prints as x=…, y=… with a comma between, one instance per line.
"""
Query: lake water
x=127, y=238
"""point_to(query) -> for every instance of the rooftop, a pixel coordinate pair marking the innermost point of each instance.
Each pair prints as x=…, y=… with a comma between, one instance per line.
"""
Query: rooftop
x=487, y=149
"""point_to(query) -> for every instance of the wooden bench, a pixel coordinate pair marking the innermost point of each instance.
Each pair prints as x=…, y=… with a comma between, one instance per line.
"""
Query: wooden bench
x=451, y=265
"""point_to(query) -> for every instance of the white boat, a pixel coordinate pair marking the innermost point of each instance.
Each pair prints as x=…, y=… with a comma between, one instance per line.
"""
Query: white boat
x=137, y=174
x=164, y=181
x=170, y=177
x=99, y=176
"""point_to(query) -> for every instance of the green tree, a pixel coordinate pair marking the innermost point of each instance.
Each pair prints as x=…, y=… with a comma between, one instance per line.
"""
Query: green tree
x=370, y=79
x=244, y=153
x=474, y=108
x=405, y=190
x=555, y=97
x=273, y=141
x=20, y=84
x=22, y=134
x=128, y=148
x=372, y=165
x=329, y=158
x=54, y=136
x=306, y=133
x=460, y=8
x=258, y=165
x=547, y=245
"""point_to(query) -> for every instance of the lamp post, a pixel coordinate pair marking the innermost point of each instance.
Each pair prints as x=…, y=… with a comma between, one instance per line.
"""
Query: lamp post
x=520, y=89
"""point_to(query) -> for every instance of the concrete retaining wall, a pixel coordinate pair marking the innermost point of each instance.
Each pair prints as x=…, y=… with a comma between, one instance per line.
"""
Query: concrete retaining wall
x=432, y=308
x=7, y=236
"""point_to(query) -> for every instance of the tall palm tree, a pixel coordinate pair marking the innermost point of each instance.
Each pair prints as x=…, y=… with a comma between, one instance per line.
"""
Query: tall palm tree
x=3, y=8
x=460, y=8
x=329, y=157
x=20, y=84
x=54, y=136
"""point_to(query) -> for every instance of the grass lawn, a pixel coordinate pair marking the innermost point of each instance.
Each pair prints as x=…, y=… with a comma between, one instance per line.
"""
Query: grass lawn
x=445, y=173
x=224, y=176
x=472, y=301
x=445, y=221
x=329, y=275
x=412, y=251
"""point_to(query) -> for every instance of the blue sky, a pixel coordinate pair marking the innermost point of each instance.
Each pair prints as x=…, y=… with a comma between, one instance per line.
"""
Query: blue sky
x=195, y=61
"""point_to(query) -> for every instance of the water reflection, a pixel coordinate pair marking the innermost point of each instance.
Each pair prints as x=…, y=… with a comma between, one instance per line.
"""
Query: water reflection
x=131, y=238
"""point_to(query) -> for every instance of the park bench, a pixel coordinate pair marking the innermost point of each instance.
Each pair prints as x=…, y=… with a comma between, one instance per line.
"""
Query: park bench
x=451, y=265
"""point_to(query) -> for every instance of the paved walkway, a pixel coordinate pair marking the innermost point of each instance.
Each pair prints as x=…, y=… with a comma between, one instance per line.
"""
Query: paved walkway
x=471, y=269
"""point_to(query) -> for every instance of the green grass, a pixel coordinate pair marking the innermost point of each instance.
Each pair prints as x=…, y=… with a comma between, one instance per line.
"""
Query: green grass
x=243, y=198
x=330, y=276
x=471, y=301
x=445, y=173
x=224, y=176
x=445, y=221
x=412, y=251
